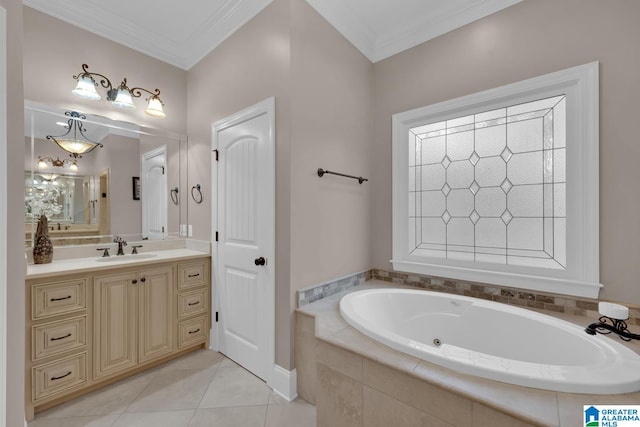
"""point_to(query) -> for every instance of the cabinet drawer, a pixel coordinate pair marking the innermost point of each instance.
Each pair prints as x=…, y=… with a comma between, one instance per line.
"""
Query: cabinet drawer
x=193, y=331
x=58, y=376
x=193, y=303
x=58, y=298
x=57, y=337
x=192, y=275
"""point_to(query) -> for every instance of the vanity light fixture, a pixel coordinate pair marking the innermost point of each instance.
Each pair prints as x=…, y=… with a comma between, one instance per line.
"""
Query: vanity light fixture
x=71, y=143
x=121, y=97
x=42, y=163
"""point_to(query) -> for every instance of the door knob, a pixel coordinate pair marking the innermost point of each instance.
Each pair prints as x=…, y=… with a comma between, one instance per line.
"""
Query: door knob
x=260, y=261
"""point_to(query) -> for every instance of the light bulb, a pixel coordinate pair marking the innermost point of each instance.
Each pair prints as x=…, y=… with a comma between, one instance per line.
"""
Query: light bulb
x=154, y=108
x=86, y=88
x=123, y=99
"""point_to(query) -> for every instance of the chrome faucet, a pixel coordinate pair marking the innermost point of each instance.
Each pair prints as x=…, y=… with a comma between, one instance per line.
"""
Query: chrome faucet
x=121, y=242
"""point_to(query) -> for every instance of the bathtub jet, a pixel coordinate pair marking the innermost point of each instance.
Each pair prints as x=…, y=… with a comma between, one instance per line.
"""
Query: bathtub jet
x=494, y=341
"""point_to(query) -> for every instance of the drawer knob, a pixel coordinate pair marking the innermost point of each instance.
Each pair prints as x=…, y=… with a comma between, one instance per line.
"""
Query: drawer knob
x=194, y=303
x=194, y=275
x=61, y=376
x=194, y=332
x=61, y=338
x=60, y=299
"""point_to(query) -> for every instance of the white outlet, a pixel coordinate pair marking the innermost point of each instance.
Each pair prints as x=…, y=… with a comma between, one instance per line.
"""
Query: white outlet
x=190, y=230
x=183, y=230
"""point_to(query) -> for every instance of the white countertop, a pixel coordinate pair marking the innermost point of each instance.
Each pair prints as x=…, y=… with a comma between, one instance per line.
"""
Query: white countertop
x=87, y=264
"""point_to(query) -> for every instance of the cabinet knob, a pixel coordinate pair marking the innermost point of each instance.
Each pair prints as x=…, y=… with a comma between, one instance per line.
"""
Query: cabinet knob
x=134, y=281
x=144, y=279
x=260, y=261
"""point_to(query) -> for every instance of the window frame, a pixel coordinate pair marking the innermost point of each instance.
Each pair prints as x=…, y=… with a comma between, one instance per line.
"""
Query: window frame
x=582, y=276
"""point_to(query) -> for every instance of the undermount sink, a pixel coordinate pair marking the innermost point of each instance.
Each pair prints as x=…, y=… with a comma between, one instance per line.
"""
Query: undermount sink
x=128, y=257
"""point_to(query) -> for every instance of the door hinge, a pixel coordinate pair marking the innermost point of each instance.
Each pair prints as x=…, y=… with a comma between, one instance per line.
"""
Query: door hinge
x=216, y=317
x=217, y=154
x=162, y=170
x=216, y=236
x=163, y=229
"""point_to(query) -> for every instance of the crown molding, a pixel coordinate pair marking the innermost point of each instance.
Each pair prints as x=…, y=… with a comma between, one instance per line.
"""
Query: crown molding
x=432, y=26
x=378, y=46
x=351, y=26
x=183, y=53
x=224, y=17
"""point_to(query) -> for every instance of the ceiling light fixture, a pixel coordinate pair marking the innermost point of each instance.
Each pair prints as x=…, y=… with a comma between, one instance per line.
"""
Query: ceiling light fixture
x=121, y=97
x=42, y=163
x=71, y=144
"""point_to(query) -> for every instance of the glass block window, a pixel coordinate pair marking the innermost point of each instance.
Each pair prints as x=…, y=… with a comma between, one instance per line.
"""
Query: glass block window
x=502, y=186
x=490, y=186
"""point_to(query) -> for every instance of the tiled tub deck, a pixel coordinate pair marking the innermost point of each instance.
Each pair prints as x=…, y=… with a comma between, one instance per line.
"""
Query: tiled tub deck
x=356, y=381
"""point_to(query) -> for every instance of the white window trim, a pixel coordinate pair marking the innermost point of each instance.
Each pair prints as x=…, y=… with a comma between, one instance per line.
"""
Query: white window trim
x=582, y=275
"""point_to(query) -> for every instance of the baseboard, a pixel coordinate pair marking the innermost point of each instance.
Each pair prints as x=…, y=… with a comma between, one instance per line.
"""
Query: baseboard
x=284, y=383
x=213, y=339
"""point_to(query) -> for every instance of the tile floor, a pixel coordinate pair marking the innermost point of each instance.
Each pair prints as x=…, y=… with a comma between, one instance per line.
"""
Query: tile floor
x=200, y=389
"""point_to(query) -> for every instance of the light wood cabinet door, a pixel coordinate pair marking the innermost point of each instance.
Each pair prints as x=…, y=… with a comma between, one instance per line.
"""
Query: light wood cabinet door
x=193, y=275
x=52, y=299
x=53, y=338
x=157, y=313
x=115, y=323
x=193, y=303
x=192, y=331
x=58, y=376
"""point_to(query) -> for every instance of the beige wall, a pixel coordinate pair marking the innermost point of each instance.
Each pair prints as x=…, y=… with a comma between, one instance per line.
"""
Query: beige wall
x=54, y=52
x=331, y=104
x=15, y=218
x=122, y=159
x=526, y=40
x=290, y=52
x=250, y=66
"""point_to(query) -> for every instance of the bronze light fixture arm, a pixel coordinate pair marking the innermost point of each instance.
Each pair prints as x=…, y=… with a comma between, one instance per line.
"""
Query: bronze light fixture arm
x=121, y=96
x=104, y=81
x=136, y=91
x=57, y=162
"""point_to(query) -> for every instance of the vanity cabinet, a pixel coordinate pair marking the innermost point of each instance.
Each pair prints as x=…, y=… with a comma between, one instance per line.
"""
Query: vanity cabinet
x=57, y=350
x=88, y=330
x=193, y=303
x=134, y=320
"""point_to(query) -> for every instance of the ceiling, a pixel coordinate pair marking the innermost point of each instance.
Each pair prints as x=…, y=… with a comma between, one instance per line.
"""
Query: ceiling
x=181, y=33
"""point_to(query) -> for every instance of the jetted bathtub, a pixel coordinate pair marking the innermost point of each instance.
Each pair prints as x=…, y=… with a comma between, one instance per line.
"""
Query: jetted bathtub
x=493, y=340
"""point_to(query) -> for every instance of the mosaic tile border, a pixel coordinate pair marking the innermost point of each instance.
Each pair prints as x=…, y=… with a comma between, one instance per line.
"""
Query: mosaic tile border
x=584, y=307
x=309, y=295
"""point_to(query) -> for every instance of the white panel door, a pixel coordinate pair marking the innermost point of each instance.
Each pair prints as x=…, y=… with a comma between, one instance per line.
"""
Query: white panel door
x=244, y=219
x=154, y=194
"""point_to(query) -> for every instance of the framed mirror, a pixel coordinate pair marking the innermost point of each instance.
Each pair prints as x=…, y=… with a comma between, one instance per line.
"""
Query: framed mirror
x=94, y=178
